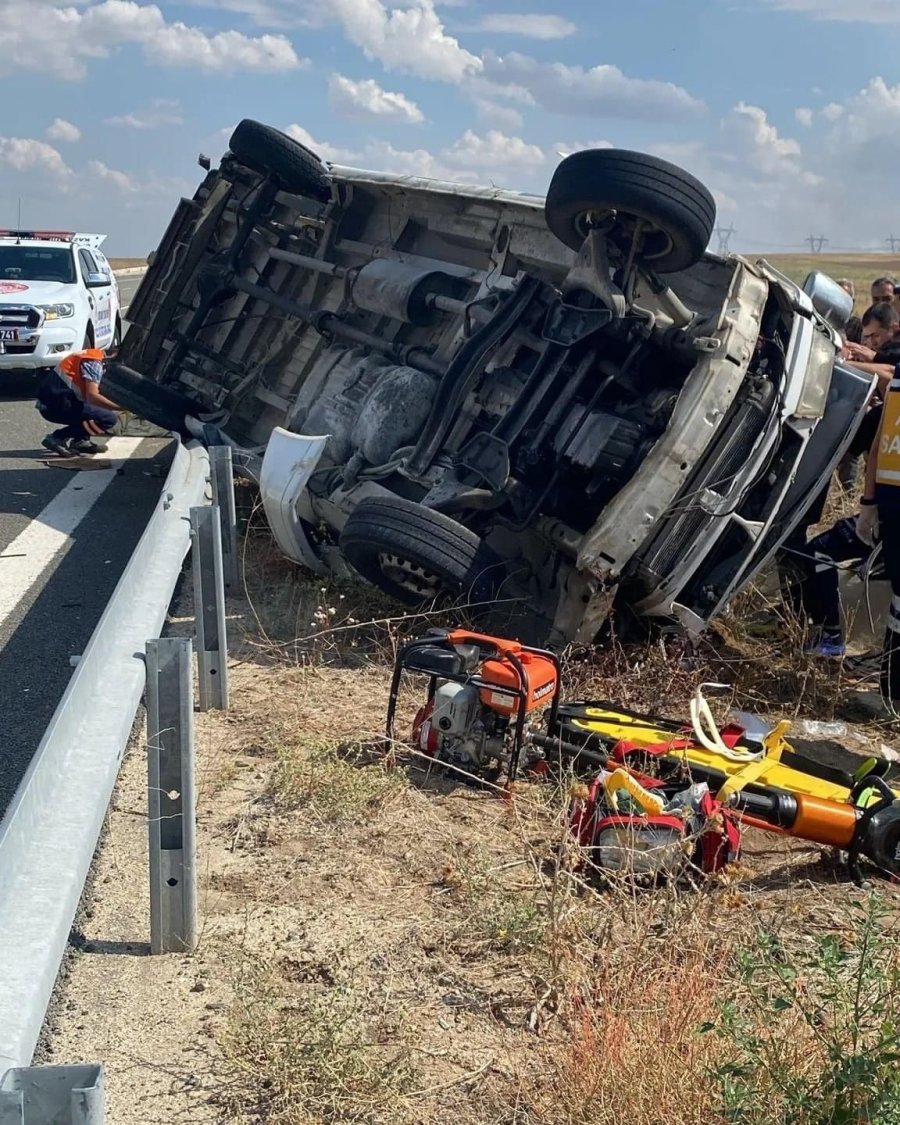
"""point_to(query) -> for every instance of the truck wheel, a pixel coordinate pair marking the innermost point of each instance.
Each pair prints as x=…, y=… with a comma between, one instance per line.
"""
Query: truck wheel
x=678, y=212
x=417, y=555
x=117, y=336
x=272, y=153
x=88, y=338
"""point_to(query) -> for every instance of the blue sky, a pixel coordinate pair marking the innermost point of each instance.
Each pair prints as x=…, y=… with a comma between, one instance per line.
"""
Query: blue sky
x=787, y=109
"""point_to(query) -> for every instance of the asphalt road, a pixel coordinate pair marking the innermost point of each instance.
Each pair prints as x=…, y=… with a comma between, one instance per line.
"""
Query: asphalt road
x=49, y=617
x=127, y=289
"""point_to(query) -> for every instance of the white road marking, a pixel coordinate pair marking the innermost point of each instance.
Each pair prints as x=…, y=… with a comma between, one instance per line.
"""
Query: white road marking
x=33, y=549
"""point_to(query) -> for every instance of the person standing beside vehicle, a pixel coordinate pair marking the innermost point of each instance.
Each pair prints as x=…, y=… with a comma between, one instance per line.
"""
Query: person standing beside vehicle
x=879, y=521
x=874, y=352
x=811, y=581
x=847, y=285
x=70, y=394
x=882, y=290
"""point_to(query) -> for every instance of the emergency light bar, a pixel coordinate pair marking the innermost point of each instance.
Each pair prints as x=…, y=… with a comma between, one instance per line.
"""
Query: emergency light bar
x=92, y=241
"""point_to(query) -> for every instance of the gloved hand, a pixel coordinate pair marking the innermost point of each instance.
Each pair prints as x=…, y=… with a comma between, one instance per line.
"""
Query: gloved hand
x=867, y=524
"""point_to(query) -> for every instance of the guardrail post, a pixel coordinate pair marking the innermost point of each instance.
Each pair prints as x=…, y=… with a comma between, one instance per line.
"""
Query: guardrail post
x=222, y=478
x=170, y=795
x=52, y=1095
x=209, y=608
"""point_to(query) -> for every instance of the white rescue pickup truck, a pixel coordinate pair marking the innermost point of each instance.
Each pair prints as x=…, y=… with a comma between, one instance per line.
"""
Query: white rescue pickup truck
x=58, y=294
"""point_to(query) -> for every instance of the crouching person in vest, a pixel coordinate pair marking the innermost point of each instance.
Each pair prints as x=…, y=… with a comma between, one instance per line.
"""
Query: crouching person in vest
x=70, y=396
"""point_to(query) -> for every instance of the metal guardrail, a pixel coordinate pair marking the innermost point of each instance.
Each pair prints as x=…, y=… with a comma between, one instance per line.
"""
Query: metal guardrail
x=50, y=830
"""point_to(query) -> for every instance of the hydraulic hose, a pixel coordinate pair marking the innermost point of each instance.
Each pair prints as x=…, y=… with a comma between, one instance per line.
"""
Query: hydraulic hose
x=706, y=730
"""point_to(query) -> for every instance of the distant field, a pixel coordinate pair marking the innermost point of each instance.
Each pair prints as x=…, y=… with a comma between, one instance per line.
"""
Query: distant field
x=862, y=269
x=126, y=263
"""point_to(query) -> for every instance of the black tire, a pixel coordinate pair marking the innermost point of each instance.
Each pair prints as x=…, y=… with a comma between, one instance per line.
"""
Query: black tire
x=272, y=153
x=453, y=558
x=117, y=336
x=679, y=208
x=88, y=338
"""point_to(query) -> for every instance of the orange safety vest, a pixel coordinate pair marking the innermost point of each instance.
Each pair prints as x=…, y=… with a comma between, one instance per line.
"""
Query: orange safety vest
x=70, y=369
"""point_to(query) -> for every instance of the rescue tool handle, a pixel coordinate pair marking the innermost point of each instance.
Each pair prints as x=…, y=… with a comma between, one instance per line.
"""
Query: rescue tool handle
x=873, y=781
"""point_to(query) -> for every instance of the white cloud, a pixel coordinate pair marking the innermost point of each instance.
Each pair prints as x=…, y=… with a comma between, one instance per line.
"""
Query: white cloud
x=322, y=149
x=502, y=116
x=869, y=117
x=492, y=150
x=492, y=157
x=534, y=25
x=384, y=157
x=161, y=111
x=63, y=41
x=178, y=45
x=843, y=11
x=764, y=143
x=411, y=39
x=601, y=91
x=26, y=154
x=284, y=15
x=803, y=116
x=64, y=131
x=120, y=180
x=367, y=99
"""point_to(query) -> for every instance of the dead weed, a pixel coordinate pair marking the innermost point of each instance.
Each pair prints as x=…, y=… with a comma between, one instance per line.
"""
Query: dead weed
x=295, y=1056
x=331, y=783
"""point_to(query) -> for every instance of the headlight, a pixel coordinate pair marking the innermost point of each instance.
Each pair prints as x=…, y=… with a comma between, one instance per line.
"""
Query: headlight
x=56, y=312
x=818, y=377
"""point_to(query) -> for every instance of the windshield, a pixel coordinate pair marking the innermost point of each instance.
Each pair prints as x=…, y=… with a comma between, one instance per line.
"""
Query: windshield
x=36, y=263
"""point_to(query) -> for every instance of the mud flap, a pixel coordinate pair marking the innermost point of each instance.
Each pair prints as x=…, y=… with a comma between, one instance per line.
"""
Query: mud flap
x=289, y=462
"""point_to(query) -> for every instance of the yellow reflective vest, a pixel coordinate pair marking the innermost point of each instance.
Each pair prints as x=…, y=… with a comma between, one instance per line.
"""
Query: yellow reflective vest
x=887, y=463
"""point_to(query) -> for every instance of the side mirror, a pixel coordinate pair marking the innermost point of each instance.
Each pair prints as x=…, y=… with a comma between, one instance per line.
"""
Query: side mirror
x=833, y=304
x=96, y=280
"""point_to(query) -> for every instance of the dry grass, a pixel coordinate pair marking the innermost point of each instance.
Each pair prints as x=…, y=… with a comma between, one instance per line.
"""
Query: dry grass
x=634, y=1046
x=442, y=963
x=301, y=1058
x=331, y=782
x=862, y=269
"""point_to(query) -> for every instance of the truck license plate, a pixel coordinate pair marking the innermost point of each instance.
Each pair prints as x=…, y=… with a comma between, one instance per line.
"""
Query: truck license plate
x=9, y=334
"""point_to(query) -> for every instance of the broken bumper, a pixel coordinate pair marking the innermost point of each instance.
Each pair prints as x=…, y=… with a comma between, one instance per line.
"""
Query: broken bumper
x=289, y=462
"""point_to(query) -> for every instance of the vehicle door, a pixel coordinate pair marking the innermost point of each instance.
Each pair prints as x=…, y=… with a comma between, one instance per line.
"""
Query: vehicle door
x=116, y=297
x=99, y=285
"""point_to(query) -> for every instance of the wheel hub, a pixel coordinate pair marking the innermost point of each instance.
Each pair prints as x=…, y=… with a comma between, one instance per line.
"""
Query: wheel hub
x=409, y=576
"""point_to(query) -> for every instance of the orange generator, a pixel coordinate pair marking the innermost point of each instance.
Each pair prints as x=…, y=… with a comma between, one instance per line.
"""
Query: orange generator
x=481, y=693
